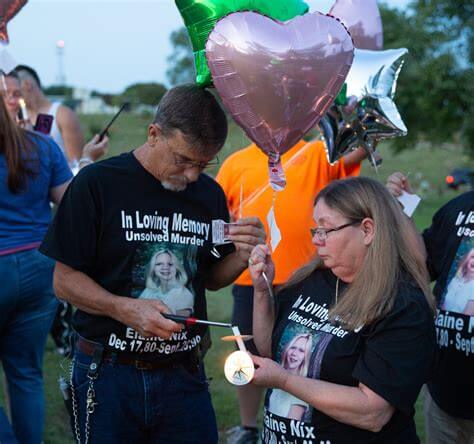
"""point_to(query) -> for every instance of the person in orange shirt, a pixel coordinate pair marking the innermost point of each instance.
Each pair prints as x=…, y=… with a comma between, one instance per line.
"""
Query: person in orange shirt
x=245, y=181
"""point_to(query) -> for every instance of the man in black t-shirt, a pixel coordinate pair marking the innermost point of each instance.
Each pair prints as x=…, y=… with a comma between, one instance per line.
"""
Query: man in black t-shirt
x=449, y=242
x=132, y=240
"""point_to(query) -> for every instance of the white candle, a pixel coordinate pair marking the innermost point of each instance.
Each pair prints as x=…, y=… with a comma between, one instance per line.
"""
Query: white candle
x=239, y=368
x=238, y=338
x=4, y=83
x=24, y=112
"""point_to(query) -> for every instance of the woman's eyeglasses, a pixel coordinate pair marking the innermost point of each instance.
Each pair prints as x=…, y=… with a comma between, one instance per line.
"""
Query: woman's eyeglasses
x=322, y=233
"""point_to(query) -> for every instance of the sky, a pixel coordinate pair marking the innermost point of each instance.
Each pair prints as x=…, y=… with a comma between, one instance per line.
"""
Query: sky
x=109, y=44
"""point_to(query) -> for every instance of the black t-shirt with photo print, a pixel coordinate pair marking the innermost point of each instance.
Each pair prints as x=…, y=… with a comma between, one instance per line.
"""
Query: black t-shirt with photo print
x=393, y=357
x=118, y=225
x=449, y=243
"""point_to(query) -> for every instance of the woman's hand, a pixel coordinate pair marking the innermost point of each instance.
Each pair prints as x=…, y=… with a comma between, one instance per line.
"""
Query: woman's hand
x=268, y=373
x=261, y=262
x=396, y=183
x=25, y=124
x=94, y=149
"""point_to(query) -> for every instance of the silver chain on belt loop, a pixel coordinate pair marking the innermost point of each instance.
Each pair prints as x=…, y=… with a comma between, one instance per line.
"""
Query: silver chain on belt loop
x=90, y=404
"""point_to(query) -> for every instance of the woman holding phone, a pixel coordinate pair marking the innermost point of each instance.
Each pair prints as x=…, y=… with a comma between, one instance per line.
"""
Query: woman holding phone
x=33, y=173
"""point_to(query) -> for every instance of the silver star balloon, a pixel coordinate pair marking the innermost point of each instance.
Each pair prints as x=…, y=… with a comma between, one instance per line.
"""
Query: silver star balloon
x=370, y=113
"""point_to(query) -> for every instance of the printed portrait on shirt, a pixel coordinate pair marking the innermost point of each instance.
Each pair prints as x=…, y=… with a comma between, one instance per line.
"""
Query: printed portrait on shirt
x=294, y=354
x=164, y=272
x=459, y=293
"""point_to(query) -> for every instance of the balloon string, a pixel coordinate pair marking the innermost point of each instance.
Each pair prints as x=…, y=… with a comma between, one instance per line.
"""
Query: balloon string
x=241, y=198
x=265, y=277
x=259, y=191
x=373, y=161
x=269, y=286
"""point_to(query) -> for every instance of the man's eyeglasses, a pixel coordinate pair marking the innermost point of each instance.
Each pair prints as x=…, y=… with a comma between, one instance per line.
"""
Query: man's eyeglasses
x=322, y=233
x=187, y=163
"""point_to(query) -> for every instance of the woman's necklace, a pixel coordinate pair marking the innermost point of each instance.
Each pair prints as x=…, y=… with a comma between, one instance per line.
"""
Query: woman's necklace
x=337, y=289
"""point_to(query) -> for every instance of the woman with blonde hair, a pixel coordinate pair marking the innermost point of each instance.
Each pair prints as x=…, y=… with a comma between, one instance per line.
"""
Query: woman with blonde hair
x=367, y=302
x=294, y=359
x=166, y=280
x=460, y=292
x=295, y=356
x=33, y=173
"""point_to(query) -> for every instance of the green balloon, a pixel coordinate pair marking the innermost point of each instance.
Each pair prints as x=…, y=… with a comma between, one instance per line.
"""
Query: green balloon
x=341, y=98
x=200, y=17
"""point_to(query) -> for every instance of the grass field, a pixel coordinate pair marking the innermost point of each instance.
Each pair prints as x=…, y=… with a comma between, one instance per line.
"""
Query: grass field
x=427, y=168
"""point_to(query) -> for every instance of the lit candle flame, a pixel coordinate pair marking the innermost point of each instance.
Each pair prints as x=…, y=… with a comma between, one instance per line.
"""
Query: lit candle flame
x=239, y=368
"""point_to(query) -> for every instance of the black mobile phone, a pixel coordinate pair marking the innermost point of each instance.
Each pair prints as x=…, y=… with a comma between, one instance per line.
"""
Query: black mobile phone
x=44, y=123
x=125, y=106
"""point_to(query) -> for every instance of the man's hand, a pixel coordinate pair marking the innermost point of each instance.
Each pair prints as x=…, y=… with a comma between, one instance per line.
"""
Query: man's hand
x=246, y=233
x=144, y=316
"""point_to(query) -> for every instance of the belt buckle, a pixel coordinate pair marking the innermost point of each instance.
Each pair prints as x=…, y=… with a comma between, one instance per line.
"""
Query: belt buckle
x=143, y=365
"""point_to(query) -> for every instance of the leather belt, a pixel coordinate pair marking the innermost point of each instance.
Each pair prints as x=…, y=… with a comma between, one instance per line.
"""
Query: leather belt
x=190, y=362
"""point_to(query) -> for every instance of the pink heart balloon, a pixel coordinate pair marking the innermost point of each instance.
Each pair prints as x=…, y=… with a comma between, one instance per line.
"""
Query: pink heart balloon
x=363, y=21
x=278, y=79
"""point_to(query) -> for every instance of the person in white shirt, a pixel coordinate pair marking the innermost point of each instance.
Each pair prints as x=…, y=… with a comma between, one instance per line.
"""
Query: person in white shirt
x=66, y=130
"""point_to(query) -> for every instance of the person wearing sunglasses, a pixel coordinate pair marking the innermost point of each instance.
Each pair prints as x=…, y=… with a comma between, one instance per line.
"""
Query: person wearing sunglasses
x=366, y=302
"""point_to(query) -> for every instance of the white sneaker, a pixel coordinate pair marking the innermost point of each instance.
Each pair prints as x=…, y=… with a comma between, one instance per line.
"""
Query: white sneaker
x=241, y=435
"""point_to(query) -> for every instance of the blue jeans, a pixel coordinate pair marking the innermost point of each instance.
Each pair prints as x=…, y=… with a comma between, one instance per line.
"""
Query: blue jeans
x=27, y=308
x=6, y=433
x=168, y=405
